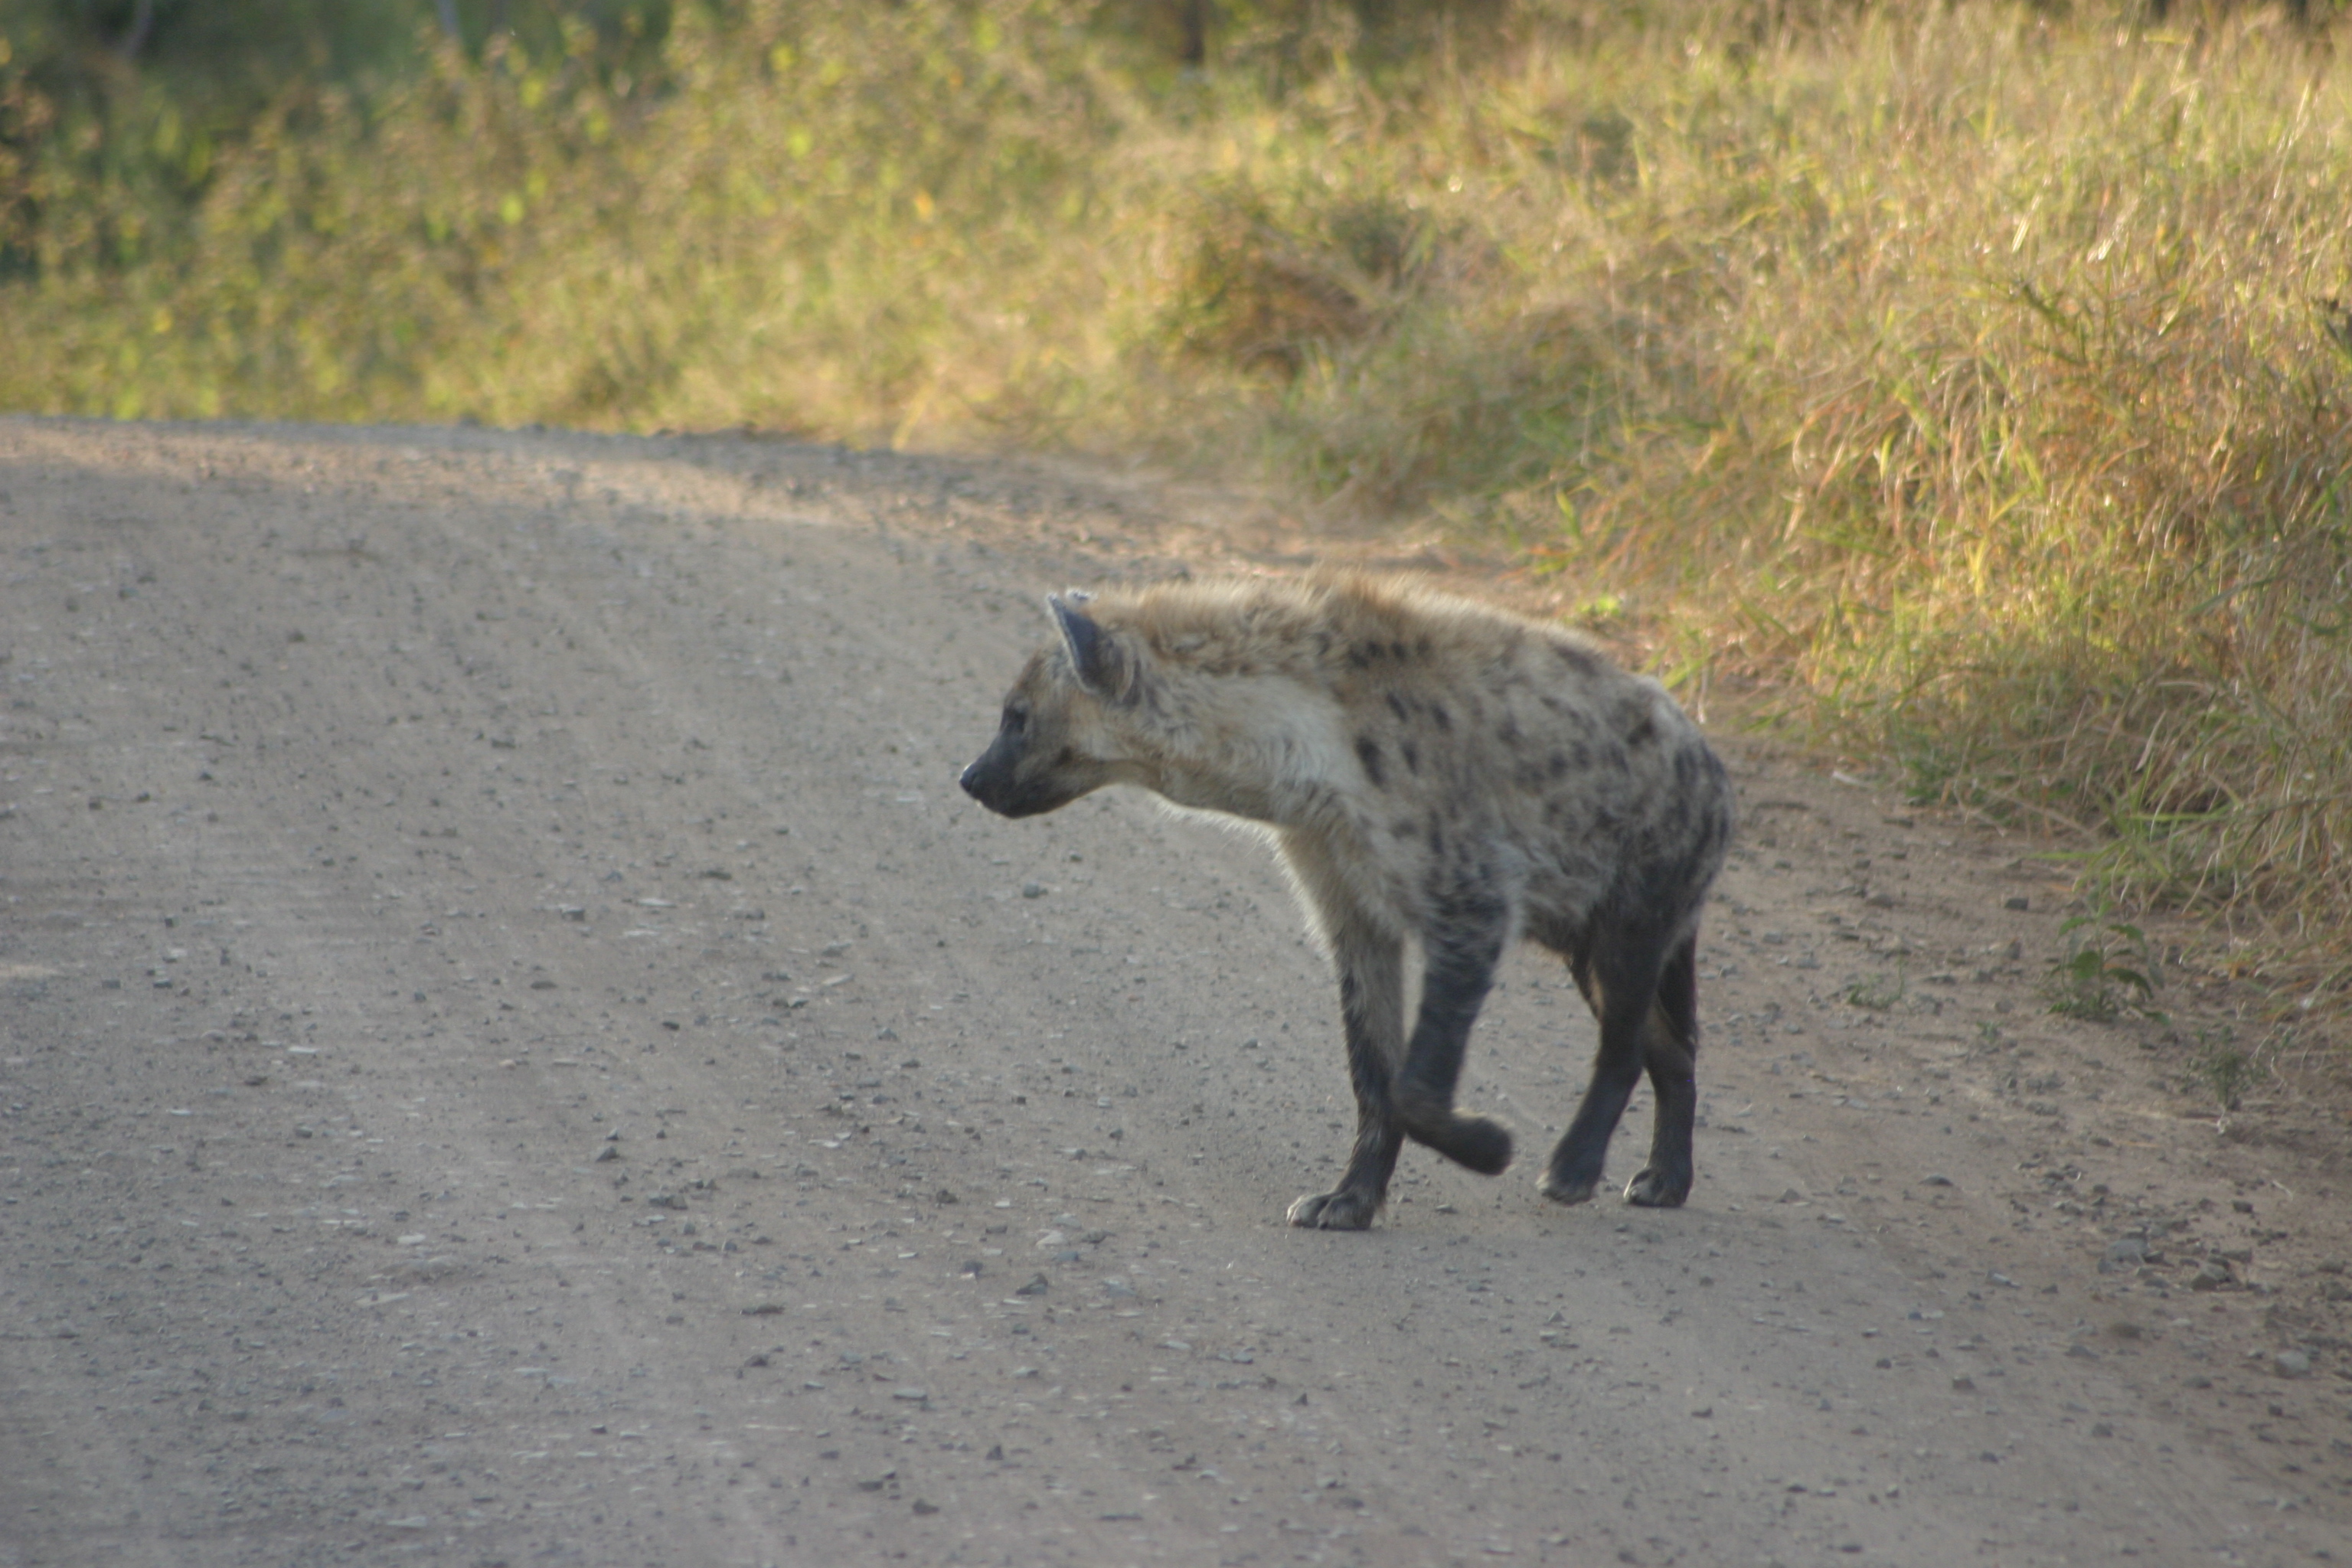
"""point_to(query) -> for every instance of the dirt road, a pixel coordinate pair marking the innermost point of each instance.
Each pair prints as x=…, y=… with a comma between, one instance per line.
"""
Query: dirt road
x=517, y=1051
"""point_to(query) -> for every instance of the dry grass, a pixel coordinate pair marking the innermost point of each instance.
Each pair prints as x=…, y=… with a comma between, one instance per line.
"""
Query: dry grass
x=1974, y=379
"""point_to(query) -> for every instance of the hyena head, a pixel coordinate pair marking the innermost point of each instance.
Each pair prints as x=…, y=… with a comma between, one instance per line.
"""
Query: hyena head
x=1061, y=736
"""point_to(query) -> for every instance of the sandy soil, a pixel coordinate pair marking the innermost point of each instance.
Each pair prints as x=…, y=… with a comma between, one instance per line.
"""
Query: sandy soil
x=517, y=1051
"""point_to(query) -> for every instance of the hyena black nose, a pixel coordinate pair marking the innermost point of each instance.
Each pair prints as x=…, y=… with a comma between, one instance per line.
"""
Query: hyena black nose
x=967, y=779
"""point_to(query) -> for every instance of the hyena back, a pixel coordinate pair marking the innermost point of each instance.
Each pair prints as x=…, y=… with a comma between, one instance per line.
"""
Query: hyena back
x=1432, y=770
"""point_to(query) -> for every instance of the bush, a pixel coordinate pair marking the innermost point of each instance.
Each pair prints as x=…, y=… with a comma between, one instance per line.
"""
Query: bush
x=1970, y=381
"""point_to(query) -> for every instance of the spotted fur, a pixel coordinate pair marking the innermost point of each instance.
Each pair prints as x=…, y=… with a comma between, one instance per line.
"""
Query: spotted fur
x=1436, y=774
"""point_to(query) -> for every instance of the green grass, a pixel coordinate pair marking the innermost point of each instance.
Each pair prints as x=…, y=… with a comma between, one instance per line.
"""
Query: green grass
x=1975, y=382
x=2108, y=970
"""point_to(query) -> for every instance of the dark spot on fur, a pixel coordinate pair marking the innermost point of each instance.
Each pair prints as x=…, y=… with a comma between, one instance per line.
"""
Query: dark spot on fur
x=1559, y=765
x=1509, y=735
x=1404, y=827
x=1642, y=733
x=1580, y=757
x=1397, y=706
x=1396, y=651
x=1436, y=834
x=1411, y=755
x=1361, y=655
x=1444, y=720
x=1368, y=751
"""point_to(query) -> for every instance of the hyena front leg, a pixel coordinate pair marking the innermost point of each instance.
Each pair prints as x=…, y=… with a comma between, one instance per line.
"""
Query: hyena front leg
x=1462, y=960
x=1371, y=1004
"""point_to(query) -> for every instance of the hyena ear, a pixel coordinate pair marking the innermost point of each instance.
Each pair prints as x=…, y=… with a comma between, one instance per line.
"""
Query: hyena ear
x=1102, y=666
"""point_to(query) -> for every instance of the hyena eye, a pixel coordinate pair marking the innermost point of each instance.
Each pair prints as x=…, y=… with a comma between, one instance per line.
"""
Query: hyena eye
x=1016, y=717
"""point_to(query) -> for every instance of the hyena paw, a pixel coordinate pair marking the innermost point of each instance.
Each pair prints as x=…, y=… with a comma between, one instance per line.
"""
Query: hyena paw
x=1652, y=1188
x=1478, y=1142
x=1561, y=1189
x=1342, y=1210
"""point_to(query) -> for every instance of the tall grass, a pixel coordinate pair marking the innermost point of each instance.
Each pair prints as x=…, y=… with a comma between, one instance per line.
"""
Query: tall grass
x=1974, y=378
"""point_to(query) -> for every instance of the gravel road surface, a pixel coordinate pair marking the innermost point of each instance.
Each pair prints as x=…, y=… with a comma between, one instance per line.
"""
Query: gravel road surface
x=517, y=1051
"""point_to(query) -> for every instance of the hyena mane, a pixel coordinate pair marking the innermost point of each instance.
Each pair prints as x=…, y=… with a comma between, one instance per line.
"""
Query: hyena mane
x=1440, y=778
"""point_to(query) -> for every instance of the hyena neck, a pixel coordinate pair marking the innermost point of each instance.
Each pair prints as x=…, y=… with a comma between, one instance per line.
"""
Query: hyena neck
x=1255, y=742
x=1202, y=791
x=1281, y=786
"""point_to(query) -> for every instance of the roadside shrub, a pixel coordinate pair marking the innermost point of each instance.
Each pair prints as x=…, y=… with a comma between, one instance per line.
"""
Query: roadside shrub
x=1969, y=383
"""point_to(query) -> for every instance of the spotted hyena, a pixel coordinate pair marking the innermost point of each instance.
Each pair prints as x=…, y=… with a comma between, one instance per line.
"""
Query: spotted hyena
x=1434, y=772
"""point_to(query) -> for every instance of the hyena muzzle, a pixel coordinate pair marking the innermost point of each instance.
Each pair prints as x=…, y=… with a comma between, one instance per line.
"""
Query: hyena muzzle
x=1434, y=773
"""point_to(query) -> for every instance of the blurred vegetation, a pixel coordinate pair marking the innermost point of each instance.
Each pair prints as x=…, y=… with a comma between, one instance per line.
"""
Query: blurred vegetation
x=114, y=113
x=1973, y=378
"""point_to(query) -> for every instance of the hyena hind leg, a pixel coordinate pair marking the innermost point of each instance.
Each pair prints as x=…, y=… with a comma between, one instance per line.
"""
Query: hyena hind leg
x=1670, y=1052
x=1622, y=1004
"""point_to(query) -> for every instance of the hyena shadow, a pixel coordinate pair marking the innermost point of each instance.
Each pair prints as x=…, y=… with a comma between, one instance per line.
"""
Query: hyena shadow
x=1441, y=779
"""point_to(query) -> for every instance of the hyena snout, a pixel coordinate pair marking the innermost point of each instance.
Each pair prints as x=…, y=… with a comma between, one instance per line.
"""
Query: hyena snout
x=997, y=781
x=989, y=781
